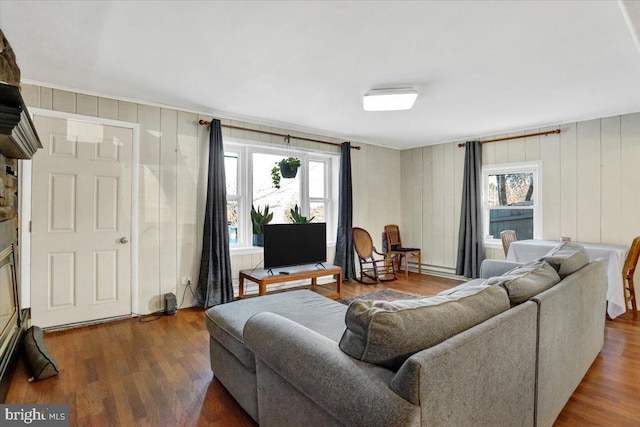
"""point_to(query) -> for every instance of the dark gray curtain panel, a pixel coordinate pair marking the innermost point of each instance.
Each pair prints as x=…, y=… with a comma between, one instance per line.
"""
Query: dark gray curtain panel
x=344, y=243
x=214, y=282
x=471, y=239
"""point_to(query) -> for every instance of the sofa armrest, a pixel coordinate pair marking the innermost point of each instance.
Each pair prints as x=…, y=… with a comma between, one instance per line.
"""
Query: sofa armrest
x=493, y=267
x=570, y=336
x=353, y=392
x=484, y=376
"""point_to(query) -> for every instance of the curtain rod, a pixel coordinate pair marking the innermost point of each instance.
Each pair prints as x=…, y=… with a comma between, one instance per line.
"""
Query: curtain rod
x=206, y=123
x=516, y=137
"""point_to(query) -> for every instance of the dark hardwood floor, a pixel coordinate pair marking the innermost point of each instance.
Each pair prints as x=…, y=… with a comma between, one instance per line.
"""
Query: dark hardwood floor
x=130, y=373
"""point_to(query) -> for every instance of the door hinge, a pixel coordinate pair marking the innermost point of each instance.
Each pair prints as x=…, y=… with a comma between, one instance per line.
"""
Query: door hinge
x=29, y=226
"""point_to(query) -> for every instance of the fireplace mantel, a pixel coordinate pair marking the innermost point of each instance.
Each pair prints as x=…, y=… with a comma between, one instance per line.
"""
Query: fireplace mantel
x=18, y=140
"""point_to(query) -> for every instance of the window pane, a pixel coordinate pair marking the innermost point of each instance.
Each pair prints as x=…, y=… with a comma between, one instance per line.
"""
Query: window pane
x=520, y=220
x=280, y=200
x=317, y=210
x=513, y=189
x=231, y=173
x=232, y=220
x=316, y=179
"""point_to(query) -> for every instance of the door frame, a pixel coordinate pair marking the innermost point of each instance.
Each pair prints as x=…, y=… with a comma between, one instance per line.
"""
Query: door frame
x=25, y=202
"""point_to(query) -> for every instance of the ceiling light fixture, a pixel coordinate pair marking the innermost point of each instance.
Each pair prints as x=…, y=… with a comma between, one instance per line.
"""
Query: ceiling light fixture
x=401, y=98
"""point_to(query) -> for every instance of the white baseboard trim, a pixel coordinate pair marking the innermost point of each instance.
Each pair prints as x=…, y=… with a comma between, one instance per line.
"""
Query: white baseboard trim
x=87, y=323
x=436, y=270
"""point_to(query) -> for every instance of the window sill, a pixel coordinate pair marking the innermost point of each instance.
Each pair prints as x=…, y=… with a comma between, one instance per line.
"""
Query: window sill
x=494, y=244
x=246, y=250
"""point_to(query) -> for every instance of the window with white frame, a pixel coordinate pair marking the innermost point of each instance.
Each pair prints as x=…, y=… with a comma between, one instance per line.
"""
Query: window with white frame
x=280, y=200
x=248, y=174
x=234, y=193
x=319, y=200
x=512, y=200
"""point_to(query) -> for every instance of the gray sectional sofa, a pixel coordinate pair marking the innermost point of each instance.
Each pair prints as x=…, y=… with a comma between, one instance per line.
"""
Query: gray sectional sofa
x=505, y=350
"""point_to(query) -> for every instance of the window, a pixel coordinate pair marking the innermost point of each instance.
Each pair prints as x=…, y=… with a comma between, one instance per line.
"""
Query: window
x=511, y=199
x=231, y=164
x=280, y=200
x=318, y=191
x=248, y=174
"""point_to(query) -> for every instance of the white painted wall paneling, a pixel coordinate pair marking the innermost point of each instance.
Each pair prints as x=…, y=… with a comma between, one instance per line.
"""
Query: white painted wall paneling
x=630, y=177
x=610, y=184
x=172, y=186
x=591, y=190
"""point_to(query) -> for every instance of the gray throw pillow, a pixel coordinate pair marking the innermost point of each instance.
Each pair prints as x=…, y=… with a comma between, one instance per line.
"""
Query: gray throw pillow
x=526, y=281
x=387, y=333
x=567, y=258
x=40, y=361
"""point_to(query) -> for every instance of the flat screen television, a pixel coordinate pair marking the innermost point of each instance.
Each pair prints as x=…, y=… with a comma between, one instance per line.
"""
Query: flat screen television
x=294, y=244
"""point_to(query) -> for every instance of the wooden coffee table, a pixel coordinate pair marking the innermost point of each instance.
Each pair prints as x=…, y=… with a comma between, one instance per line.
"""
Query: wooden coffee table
x=289, y=274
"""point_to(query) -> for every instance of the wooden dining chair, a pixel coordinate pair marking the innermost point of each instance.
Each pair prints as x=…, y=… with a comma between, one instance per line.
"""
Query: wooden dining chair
x=628, y=271
x=372, y=270
x=508, y=237
x=396, y=251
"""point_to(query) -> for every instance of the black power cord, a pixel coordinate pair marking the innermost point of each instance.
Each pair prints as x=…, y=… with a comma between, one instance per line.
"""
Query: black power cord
x=185, y=293
x=145, y=318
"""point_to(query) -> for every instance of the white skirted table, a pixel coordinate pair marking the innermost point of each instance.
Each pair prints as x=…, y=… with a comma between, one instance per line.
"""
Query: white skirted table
x=529, y=250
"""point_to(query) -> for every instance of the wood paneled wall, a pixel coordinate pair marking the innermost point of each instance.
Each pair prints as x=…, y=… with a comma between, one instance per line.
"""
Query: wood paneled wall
x=431, y=186
x=591, y=185
x=376, y=190
x=172, y=185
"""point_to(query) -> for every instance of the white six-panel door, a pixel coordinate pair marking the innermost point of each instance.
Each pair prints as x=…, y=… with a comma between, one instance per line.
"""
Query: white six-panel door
x=81, y=222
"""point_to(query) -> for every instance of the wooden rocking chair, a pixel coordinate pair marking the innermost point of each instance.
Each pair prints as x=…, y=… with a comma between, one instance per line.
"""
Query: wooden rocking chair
x=372, y=271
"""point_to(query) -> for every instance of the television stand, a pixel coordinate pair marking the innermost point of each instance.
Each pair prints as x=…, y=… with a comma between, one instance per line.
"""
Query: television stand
x=291, y=274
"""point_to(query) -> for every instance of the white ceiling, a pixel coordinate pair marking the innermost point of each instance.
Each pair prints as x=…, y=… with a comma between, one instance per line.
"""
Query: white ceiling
x=481, y=68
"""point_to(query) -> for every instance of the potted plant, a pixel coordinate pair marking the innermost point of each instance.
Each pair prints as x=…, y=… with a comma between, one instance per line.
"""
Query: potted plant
x=297, y=218
x=285, y=168
x=259, y=220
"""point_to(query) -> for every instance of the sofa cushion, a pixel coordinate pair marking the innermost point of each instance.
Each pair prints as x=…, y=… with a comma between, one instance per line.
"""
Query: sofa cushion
x=495, y=267
x=386, y=333
x=226, y=322
x=526, y=281
x=567, y=258
x=470, y=283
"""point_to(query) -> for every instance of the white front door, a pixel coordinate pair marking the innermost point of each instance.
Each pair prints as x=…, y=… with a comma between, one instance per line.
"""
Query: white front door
x=81, y=222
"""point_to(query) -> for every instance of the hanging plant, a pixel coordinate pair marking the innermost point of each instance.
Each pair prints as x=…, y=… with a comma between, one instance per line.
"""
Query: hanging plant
x=285, y=168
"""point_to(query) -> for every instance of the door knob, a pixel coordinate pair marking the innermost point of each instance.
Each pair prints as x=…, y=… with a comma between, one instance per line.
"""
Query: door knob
x=124, y=240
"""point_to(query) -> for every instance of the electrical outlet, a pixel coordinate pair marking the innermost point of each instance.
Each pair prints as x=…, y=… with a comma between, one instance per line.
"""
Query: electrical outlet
x=185, y=281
